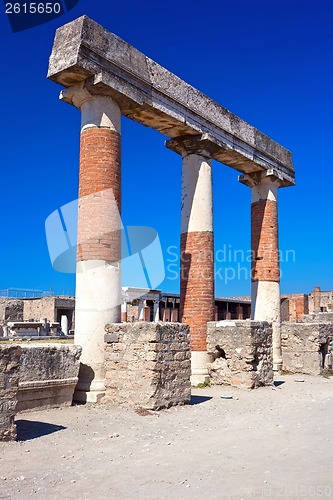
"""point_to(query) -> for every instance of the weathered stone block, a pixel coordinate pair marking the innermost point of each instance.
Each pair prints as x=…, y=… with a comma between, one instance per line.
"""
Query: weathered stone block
x=305, y=346
x=9, y=369
x=242, y=352
x=48, y=376
x=152, y=368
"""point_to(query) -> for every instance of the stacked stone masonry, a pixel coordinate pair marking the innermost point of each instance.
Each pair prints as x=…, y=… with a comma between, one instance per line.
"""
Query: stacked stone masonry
x=9, y=379
x=48, y=376
x=320, y=301
x=242, y=352
x=11, y=310
x=265, y=263
x=148, y=364
x=307, y=347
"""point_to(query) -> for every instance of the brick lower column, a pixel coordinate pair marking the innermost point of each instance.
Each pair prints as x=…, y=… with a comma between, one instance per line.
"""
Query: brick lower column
x=197, y=306
x=266, y=302
x=98, y=276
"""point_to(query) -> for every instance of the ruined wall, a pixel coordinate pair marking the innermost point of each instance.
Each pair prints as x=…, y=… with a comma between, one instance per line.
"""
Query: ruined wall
x=148, y=364
x=132, y=313
x=48, y=375
x=320, y=317
x=9, y=379
x=305, y=346
x=294, y=307
x=320, y=301
x=11, y=310
x=39, y=309
x=64, y=302
x=242, y=352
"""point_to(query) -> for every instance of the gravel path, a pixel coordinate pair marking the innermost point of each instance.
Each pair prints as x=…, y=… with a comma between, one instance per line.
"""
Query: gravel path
x=274, y=442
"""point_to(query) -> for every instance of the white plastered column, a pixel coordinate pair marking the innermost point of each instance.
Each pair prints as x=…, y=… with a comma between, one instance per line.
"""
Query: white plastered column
x=265, y=293
x=197, y=194
x=156, y=311
x=197, y=216
x=98, y=280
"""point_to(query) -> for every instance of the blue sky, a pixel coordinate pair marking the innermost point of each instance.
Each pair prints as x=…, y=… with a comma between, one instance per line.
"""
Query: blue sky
x=270, y=62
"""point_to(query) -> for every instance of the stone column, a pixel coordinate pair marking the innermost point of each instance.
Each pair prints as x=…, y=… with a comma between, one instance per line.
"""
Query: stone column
x=265, y=272
x=197, y=304
x=239, y=312
x=316, y=299
x=156, y=311
x=141, y=306
x=98, y=277
x=124, y=312
x=64, y=324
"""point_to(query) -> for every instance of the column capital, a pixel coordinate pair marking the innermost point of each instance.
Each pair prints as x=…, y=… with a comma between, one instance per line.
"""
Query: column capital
x=96, y=110
x=271, y=176
x=201, y=144
x=76, y=95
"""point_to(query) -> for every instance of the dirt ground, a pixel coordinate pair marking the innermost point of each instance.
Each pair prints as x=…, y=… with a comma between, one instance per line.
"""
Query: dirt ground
x=274, y=442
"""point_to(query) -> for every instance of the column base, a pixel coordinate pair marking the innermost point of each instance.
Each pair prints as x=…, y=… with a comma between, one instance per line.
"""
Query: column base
x=199, y=368
x=277, y=365
x=88, y=396
x=89, y=391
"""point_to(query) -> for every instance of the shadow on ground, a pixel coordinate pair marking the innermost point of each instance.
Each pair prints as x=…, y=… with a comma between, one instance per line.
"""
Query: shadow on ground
x=30, y=429
x=196, y=400
x=278, y=382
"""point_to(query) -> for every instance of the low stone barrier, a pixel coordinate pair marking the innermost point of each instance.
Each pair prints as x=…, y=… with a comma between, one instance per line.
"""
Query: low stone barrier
x=306, y=347
x=9, y=379
x=242, y=352
x=48, y=376
x=148, y=364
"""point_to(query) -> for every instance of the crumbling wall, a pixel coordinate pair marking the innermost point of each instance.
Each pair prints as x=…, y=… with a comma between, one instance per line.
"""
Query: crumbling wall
x=305, y=346
x=242, y=352
x=148, y=364
x=294, y=307
x=10, y=310
x=320, y=301
x=39, y=309
x=321, y=317
x=48, y=375
x=9, y=379
x=132, y=312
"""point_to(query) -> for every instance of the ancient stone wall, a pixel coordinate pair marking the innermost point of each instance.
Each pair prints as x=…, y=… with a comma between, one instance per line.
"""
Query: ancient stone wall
x=148, y=364
x=39, y=309
x=321, y=317
x=48, y=375
x=294, y=307
x=132, y=312
x=320, y=301
x=305, y=346
x=9, y=379
x=242, y=352
x=11, y=310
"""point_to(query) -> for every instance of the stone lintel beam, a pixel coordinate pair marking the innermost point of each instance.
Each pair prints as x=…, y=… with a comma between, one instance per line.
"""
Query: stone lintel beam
x=84, y=51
